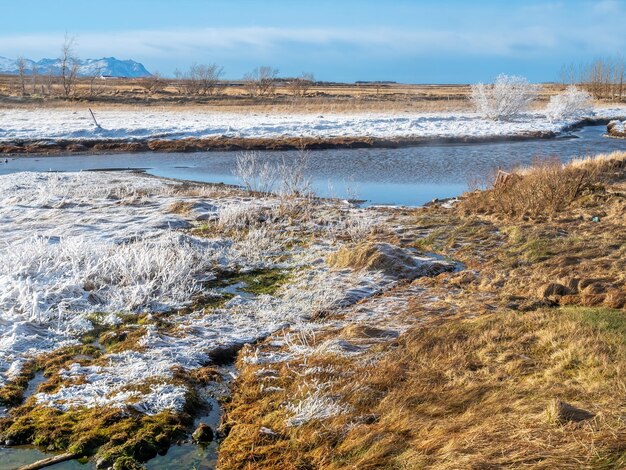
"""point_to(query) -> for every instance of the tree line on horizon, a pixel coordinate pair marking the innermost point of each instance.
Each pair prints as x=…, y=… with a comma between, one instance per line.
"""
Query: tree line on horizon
x=603, y=78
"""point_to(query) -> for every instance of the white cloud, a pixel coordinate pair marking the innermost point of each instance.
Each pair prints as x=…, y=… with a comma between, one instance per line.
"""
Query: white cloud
x=211, y=41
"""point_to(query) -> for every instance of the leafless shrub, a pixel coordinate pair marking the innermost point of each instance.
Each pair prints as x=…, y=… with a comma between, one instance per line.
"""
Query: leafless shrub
x=49, y=80
x=154, y=83
x=504, y=99
x=603, y=77
x=35, y=80
x=543, y=190
x=573, y=102
x=96, y=83
x=255, y=175
x=299, y=86
x=289, y=176
x=21, y=70
x=261, y=81
x=293, y=178
x=201, y=79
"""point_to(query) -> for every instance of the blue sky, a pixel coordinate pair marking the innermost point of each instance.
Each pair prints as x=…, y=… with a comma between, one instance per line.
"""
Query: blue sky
x=443, y=41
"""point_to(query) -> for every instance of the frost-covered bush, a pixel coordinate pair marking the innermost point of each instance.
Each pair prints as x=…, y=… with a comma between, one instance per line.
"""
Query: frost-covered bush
x=240, y=216
x=46, y=279
x=255, y=174
x=572, y=103
x=504, y=99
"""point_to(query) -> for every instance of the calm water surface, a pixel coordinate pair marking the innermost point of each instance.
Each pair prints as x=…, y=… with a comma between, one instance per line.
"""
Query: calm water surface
x=406, y=176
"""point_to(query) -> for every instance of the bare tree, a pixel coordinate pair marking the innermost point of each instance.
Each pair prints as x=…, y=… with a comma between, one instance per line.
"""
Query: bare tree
x=154, y=83
x=261, y=81
x=299, y=86
x=49, y=80
x=21, y=71
x=34, y=78
x=604, y=78
x=201, y=79
x=96, y=83
x=207, y=77
x=69, y=66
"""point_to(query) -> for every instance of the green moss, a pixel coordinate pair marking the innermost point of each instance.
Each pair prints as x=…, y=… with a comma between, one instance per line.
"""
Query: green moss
x=261, y=281
x=109, y=434
x=12, y=393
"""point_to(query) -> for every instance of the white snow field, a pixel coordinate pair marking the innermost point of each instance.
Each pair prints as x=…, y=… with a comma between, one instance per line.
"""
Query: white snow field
x=53, y=124
x=80, y=246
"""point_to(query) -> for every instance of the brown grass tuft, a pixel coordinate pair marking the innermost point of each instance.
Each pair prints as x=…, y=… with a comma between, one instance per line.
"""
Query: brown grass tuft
x=545, y=189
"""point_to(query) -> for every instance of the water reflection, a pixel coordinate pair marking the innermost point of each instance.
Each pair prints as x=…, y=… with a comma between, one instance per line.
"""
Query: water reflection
x=408, y=176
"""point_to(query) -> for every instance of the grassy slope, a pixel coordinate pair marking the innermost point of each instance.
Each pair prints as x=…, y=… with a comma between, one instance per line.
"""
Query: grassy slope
x=476, y=389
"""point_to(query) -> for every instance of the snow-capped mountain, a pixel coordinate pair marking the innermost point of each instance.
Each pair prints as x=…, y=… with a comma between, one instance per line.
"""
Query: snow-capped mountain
x=107, y=66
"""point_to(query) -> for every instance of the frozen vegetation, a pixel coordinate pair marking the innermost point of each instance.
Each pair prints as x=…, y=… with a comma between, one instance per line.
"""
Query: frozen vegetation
x=95, y=250
x=56, y=124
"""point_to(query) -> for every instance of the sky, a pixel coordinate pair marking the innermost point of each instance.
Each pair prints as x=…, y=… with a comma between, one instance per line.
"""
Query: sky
x=410, y=41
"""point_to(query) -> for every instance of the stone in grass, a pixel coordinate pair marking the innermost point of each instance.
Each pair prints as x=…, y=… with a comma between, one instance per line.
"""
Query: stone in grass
x=203, y=434
x=564, y=413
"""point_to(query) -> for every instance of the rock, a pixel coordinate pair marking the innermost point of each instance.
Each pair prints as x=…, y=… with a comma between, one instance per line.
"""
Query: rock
x=9, y=442
x=393, y=261
x=203, y=434
x=552, y=289
x=566, y=413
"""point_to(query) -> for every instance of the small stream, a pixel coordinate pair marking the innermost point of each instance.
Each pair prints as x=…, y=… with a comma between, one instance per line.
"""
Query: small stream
x=405, y=176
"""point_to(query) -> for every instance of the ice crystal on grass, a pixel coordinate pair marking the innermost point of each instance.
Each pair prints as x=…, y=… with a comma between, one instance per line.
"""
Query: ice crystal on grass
x=315, y=406
x=46, y=279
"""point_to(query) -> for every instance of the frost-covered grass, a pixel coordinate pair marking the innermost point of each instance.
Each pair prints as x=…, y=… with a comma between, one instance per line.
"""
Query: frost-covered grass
x=315, y=406
x=126, y=291
x=51, y=124
x=91, y=251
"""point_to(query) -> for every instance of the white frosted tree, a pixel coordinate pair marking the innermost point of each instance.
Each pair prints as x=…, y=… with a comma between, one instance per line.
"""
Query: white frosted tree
x=572, y=103
x=504, y=99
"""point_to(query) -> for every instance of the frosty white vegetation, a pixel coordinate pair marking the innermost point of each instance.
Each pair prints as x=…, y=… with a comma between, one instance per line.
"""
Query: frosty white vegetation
x=263, y=176
x=572, y=103
x=315, y=406
x=45, y=278
x=506, y=98
x=83, y=248
x=256, y=175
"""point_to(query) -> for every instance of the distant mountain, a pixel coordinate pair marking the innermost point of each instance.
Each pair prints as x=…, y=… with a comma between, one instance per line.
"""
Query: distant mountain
x=107, y=66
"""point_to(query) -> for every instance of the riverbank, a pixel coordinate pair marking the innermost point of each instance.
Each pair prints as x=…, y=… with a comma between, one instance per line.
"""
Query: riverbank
x=357, y=333
x=50, y=131
x=506, y=363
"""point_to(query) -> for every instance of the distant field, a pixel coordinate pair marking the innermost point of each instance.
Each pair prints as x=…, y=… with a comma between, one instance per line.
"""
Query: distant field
x=234, y=96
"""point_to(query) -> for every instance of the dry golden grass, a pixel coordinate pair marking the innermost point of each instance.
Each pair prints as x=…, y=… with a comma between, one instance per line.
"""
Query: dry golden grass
x=476, y=380
x=322, y=98
x=465, y=394
x=547, y=188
